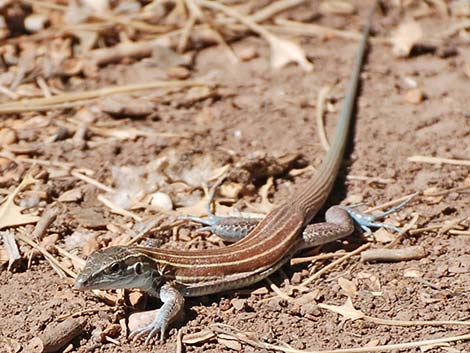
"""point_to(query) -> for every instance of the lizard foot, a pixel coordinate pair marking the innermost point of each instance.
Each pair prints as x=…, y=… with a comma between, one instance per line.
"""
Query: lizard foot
x=366, y=221
x=151, y=331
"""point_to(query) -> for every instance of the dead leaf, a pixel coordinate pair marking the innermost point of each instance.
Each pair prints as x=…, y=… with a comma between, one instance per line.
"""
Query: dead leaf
x=346, y=310
x=349, y=287
x=405, y=37
x=284, y=52
x=231, y=190
x=10, y=213
x=308, y=298
x=384, y=236
x=265, y=206
x=112, y=330
x=371, y=281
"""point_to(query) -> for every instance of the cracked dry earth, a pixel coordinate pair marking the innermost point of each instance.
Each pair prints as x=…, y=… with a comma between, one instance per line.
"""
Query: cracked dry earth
x=258, y=111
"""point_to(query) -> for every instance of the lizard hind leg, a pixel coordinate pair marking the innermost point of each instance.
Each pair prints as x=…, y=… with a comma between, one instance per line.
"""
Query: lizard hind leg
x=338, y=224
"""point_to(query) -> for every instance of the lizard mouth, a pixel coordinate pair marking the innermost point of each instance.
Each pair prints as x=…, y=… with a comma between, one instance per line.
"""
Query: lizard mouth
x=81, y=283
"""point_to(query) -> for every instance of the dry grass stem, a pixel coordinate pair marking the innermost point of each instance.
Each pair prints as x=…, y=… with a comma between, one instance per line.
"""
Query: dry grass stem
x=452, y=224
x=310, y=29
x=278, y=290
x=92, y=181
x=118, y=210
x=82, y=312
x=446, y=192
x=56, y=265
x=405, y=323
x=179, y=341
x=243, y=337
x=459, y=232
x=320, y=112
x=371, y=180
x=33, y=104
x=300, y=260
x=275, y=8
x=42, y=162
x=438, y=160
x=74, y=258
x=335, y=263
x=149, y=229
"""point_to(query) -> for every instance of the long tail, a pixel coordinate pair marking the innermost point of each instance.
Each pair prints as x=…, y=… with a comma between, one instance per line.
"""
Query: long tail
x=312, y=197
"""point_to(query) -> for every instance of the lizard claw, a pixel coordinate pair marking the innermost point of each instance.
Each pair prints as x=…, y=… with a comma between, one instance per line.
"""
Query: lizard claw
x=150, y=330
x=365, y=221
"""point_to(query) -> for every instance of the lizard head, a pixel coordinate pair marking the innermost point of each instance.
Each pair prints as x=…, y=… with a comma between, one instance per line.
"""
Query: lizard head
x=115, y=267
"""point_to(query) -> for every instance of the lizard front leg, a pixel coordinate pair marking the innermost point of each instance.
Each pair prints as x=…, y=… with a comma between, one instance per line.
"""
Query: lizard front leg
x=230, y=229
x=173, y=303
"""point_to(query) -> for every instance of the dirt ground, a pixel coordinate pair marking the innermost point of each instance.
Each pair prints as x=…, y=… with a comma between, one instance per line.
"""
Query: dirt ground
x=257, y=124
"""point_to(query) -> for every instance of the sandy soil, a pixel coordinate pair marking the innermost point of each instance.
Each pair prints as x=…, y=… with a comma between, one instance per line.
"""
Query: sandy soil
x=257, y=114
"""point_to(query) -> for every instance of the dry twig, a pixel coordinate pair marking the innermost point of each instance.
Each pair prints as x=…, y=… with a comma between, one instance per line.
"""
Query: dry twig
x=393, y=255
x=44, y=222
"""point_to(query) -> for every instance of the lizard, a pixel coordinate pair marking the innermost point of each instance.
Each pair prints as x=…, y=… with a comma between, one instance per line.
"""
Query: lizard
x=259, y=248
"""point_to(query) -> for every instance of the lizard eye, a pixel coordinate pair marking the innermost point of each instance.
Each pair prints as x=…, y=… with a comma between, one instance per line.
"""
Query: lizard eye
x=115, y=267
x=138, y=268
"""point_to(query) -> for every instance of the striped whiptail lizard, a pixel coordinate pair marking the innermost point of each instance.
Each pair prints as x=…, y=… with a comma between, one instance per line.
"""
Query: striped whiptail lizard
x=262, y=249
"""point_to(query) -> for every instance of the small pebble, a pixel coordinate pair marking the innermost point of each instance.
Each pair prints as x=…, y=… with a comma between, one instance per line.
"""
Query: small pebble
x=296, y=278
x=4, y=163
x=161, y=200
x=35, y=22
x=178, y=72
x=248, y=53
x=414, y=96
x=310, y=309
x=238, y=304
x=7, y=136
x=141, y=319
